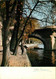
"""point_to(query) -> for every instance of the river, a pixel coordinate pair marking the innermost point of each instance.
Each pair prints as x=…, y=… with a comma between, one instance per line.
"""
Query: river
x=45, y=58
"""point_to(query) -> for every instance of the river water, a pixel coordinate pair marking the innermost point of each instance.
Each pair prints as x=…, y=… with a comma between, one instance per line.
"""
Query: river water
x=40, y=52
x=45, y=58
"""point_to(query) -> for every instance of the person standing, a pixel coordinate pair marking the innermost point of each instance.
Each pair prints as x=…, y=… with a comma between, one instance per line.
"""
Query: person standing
x=22, y=47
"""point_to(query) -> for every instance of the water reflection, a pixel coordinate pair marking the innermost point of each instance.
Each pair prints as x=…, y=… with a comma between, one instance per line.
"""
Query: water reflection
x=40, y=53
x=43, y=58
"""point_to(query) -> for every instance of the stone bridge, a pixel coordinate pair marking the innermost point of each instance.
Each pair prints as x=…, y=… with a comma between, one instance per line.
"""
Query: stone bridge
x=47, y=35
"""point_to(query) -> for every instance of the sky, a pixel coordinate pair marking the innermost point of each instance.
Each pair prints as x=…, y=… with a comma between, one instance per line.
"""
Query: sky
x=46, y=8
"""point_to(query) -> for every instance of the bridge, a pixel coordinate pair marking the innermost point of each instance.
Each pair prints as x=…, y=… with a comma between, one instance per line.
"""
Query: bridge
x=47, y=35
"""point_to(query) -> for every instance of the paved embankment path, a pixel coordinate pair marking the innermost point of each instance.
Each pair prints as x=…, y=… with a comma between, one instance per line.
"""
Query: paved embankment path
x=31, y=45
x=19, y=60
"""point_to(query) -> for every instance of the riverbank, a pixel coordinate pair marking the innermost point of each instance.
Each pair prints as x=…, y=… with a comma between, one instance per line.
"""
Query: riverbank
x=18, y=60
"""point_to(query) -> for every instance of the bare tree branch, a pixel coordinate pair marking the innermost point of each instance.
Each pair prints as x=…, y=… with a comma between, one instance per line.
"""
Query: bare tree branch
x=25, y=25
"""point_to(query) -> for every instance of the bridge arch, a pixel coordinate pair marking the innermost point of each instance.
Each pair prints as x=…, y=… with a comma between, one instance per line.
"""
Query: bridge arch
x=38, y=37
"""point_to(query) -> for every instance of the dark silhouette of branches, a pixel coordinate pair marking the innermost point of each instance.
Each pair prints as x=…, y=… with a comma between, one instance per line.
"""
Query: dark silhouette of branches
x=25, y=26
x=17, y=25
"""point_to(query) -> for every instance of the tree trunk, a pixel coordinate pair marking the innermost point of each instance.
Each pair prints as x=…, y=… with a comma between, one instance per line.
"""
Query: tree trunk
x=5, y=32
x=14, y=39
x=5, y=35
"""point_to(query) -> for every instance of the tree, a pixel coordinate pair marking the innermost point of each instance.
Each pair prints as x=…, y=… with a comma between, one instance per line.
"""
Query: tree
x=17, y=25
x=10, y=7
x=30, y=27
x=6, y=21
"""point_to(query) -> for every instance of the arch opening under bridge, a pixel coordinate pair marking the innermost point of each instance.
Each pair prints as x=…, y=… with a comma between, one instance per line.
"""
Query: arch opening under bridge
x=38, y=37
